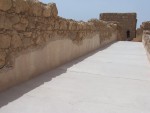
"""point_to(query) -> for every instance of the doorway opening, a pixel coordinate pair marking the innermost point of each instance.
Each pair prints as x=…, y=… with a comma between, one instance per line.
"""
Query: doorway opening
x=128, y=35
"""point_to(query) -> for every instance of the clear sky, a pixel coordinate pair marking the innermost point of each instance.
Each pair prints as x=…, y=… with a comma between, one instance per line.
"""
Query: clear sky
x=87, y=9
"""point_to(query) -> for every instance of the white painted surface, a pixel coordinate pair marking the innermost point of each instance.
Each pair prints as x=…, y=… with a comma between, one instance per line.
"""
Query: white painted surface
x=112, y=80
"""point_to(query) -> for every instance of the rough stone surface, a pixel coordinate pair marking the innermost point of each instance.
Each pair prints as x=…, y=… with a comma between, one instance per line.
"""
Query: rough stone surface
x=21, y=6
x=39, y=40
x=139, y=33
x=5, y=41
x=54, y=10
x=127, y=23
x=63, y=25
x=16, y=41
x=27, y=34
x=27, y=42
x=2, y=21
x=47, y=11
x=5, y=4
x=22, y=25
x=14, y=19
x=38, y=25
x=145, y=27
x=36, y=9
x=5, y=22
x=2, y=59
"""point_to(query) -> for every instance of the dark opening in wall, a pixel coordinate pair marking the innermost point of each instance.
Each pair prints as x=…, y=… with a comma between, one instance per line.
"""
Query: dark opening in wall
x=128, y=35
x=127, y=22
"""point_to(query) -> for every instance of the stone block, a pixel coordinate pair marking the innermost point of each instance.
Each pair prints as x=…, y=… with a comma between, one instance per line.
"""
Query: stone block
x=16, y=41
x=14, y=19
x=50, y=10
x=5, y=22
x=27, y=42
x=36, y=8
x=63, y=25
x=5, y=4
x=47, y=12
x=2, y=21
x=4, y=41
x=27, y=34
x=21, y=6
x=39, y=40
x=22, y=25
x=2, y=59
x=72, y=25
x=54, y=10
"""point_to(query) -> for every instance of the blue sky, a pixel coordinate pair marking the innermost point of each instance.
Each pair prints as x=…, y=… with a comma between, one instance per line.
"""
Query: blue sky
x=87, y=9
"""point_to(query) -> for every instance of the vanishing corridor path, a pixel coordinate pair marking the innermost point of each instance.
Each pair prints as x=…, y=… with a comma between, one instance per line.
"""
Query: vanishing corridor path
x=111, y=80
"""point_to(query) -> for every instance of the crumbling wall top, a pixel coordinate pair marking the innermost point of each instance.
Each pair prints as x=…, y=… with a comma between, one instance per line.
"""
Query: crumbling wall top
x=29, y=7
x=146, y=25
x=113, y=15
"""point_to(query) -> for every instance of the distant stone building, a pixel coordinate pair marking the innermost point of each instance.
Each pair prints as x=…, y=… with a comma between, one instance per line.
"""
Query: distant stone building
x=127, y=22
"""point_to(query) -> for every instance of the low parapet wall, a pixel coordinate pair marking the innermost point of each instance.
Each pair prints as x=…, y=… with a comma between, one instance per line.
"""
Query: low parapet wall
x=34, y=39
x=146, y=37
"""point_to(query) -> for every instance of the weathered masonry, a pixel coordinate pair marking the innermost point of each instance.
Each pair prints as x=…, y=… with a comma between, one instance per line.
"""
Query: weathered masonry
x=145, y=27
x=127, y=22
x=34, y=39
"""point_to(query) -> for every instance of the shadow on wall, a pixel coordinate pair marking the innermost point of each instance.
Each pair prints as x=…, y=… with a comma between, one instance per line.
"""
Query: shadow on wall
x=16, y=92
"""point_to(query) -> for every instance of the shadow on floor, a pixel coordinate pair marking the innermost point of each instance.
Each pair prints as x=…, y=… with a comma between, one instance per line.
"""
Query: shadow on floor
x=16, y=92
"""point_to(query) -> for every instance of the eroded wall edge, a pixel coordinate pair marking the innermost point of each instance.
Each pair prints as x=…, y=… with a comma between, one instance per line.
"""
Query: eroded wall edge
x=34, y=39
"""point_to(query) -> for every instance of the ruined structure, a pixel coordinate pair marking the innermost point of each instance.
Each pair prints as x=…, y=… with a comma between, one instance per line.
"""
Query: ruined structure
x=127, y=22
x=139, y=33
x=34, y=39
x=146, y=36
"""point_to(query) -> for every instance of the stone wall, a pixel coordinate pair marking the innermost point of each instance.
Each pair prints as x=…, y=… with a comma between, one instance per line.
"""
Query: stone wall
x=127, y=22
x=34, y=39
x=145, y=25
x=146, y=36
x=139, y=34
